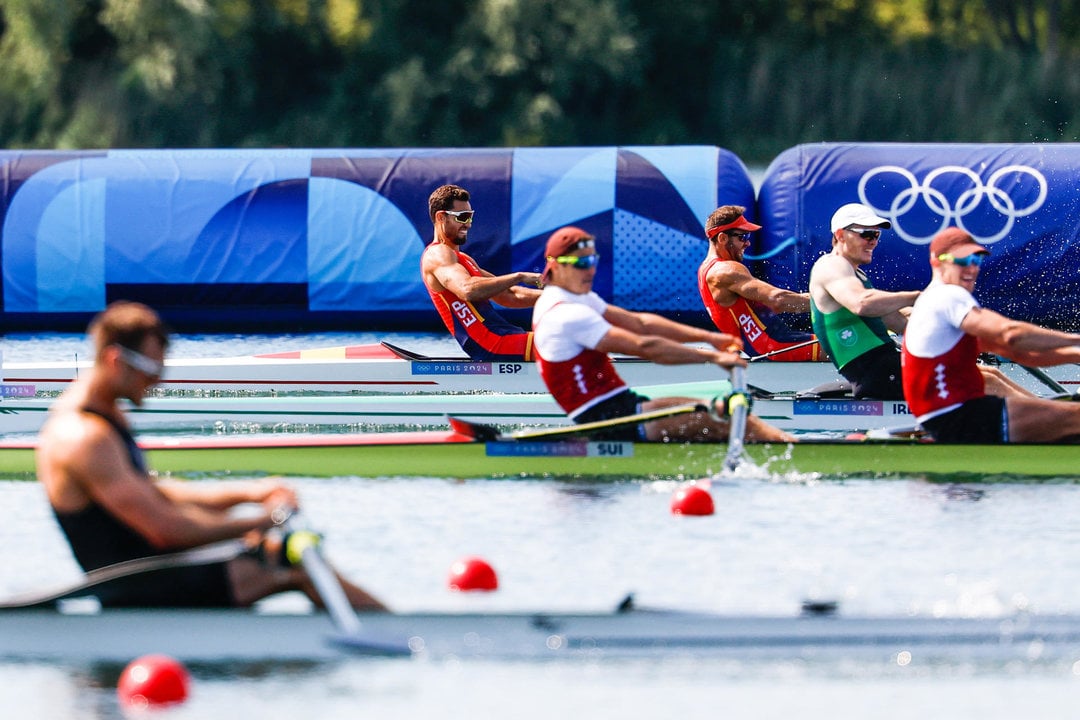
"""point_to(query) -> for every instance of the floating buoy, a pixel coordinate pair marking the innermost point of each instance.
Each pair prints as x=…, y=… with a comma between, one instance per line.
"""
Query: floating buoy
x=692, y=500
x=472, y=573
x=152, y=681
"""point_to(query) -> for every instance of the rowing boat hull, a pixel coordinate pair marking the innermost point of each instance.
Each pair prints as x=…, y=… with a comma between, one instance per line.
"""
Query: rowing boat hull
x=119, y=636
x=26, y=415
x=444, y=454
x=374, y=368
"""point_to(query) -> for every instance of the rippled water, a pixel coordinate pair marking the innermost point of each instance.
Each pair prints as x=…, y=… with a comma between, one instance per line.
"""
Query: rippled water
x=878, y=547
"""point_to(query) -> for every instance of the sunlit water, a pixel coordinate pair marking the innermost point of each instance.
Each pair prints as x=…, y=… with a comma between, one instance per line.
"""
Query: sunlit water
x=877, y=547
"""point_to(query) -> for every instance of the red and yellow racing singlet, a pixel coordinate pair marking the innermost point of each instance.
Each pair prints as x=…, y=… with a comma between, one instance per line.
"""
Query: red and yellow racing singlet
x=761, y=330
x=481, y=332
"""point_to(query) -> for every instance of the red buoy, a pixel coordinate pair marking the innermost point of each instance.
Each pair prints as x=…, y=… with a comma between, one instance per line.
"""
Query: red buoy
x=472, y=573
x=692, y=500
x=153, y=680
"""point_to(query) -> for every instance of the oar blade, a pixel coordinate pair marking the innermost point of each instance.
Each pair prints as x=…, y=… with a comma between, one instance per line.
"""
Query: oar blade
x=361, y=643
x=476, y=431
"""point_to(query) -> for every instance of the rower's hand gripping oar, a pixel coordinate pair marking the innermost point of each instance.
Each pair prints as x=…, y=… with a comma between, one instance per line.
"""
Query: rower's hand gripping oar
x=304, y=547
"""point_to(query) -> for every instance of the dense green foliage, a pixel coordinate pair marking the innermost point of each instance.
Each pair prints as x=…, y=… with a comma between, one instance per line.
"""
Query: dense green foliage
x=755, y=77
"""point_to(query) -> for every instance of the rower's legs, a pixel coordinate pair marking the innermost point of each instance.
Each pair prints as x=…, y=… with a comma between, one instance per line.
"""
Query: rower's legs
x=1042, y=420
x=252, y=580
x=703, y=427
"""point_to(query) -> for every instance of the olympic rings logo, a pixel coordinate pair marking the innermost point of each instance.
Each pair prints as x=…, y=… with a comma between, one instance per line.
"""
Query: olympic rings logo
x=952, y=213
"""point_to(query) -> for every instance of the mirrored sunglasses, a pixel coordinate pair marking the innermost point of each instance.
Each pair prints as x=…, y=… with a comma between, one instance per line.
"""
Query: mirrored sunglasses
x=580, y=262
x=462, y=216
x=976, y=259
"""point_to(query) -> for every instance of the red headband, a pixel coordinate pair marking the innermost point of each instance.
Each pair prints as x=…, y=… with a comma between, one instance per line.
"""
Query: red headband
x=739, y=222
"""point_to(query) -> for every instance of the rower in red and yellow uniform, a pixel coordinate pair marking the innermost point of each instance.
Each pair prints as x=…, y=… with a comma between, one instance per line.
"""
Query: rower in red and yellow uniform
x=464, y=294
x=741, y=304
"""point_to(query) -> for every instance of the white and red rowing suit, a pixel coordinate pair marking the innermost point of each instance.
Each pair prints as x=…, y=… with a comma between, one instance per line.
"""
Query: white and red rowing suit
x=566, y=329
x=939, y=360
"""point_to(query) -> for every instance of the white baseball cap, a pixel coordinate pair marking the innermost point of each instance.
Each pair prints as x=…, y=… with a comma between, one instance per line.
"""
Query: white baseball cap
x=857, y=214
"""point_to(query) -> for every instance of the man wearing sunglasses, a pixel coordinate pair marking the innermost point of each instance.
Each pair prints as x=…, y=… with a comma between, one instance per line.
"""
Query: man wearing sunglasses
x=111, y=510
x=463, y=293
x=576, y=329
x=742, y=305
x=946, y=332
x=850, y=317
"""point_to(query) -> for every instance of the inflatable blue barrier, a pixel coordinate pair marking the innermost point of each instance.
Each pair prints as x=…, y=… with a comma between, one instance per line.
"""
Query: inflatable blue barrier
x=1021, y=201
x=305, y=239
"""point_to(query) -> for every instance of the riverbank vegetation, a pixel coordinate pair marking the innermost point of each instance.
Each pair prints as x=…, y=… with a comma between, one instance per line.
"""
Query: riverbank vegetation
x=754, y=77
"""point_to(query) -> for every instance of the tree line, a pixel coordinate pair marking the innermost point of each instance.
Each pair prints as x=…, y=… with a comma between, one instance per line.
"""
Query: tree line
x=754, y=77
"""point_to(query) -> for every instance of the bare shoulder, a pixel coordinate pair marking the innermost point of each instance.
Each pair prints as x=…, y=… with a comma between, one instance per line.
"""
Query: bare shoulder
x=729, y=271
x=78, y=455
x=437, y=254
x=70, y=436
x=830, y=267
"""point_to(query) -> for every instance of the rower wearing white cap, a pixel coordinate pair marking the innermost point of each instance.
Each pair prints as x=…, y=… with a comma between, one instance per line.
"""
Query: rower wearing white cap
x=850, y=317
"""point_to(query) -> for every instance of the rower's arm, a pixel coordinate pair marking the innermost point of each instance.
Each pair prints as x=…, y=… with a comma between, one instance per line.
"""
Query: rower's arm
x=222, y=496
x=730, y=279
x=649, y=324
x=1021, y=341
x=442, y=265
x=663, y=351
x=868, y=302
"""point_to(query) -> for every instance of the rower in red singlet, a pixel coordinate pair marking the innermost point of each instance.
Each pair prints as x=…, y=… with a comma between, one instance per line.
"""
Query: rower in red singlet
x=464, y=293
x=741, y=304
x=576, y=329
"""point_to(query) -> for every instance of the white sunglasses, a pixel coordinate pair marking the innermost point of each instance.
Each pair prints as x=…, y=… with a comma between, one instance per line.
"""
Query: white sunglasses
x=140, y=362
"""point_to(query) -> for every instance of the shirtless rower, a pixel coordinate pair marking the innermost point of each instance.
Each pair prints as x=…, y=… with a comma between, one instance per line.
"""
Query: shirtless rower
x=111, y=510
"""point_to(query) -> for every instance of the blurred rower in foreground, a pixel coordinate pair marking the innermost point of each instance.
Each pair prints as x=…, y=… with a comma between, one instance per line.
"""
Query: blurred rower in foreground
x=111, y=510
x=948, y=328
x=576, y=329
